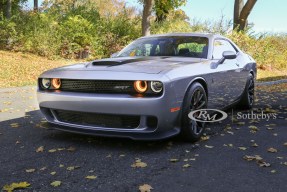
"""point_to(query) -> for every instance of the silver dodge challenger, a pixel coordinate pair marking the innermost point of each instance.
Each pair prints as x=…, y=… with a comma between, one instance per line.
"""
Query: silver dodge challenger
x=147, y=90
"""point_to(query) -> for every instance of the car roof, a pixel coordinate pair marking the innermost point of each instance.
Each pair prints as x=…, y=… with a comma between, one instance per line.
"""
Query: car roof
x=207, y=35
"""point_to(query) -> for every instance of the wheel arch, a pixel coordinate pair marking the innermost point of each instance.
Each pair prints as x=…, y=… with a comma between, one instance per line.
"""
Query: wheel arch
x=200, y=80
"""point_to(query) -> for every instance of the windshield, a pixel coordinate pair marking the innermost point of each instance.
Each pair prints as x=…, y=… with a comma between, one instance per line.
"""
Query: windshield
x=185, y=46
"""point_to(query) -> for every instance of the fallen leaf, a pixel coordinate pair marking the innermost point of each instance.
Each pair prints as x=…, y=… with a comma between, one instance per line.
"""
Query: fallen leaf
x=71, y=168
x=14, y=125
x=251, y=158
x=43, y=168
x=11, y=187
x=272, y=150
x=52, y=150
x=242, y=148
x=273, y=171
x=56, y=183
x=186, y=166
x=30, y=170
x=253, y=129
x=145, y=188
x=53, y=173
x=204, y=138
x=254, y=145
x=71, y=149
x=40, y=149
x=139, y=164
x=262, y=163
x=91, y=177
x=61, y=165
x=173, y=160
x=209, y=146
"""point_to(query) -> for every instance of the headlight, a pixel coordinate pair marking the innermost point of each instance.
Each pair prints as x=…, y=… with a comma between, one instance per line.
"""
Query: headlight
x=56, y=83
x=46, y=83
x=156, y=86
x=140, y=86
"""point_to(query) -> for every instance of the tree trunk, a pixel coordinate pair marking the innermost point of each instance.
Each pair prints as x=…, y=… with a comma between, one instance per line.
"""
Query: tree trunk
x=241, y=13
x=245, y=13
x=36, y=7
x=8, y=9
x=238, y=6
x=147, y=9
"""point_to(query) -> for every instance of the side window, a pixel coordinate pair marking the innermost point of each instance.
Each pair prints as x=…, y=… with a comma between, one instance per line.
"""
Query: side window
x=220, y=46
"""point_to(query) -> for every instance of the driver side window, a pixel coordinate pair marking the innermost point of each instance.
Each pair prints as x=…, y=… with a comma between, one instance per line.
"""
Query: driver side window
x=220, y=46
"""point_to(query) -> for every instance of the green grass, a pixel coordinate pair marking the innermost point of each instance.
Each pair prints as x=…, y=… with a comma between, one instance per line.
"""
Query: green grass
x=21, y=69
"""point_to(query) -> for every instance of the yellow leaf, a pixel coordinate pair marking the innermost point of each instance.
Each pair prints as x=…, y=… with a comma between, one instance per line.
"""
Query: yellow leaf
x=72, y=168
x=173, y=160
x=30, y=170
x=91, y=177
x=186, y=166
x=138, y=164
x=40, y=149
x=11, y=187
x=145, y=188
x=53, y=173
x=272, y=150
x=56, y=183
x=242, y=148
x=52, y=150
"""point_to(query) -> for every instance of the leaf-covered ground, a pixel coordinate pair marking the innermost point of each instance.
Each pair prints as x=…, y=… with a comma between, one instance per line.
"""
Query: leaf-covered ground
x=235, y=155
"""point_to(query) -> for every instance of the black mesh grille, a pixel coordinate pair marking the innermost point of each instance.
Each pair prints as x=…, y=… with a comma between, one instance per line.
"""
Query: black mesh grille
x=98, y=120
x=97, y=86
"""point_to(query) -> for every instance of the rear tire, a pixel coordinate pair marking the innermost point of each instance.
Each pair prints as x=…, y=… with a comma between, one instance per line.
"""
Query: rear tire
x=195, y=99
x=247, y=98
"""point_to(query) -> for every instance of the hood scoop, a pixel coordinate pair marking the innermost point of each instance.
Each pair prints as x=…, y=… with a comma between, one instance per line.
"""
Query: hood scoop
x=119, y=61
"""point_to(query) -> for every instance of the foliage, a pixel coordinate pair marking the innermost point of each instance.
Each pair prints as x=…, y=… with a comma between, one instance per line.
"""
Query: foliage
x=269, y=51
x=163, y=7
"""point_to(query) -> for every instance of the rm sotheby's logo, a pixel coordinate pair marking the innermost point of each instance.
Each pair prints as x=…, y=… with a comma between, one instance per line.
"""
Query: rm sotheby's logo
x=207, y=115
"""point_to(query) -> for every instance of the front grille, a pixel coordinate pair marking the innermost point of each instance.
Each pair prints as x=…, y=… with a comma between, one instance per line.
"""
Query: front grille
x=97, y=86
x=98, y=120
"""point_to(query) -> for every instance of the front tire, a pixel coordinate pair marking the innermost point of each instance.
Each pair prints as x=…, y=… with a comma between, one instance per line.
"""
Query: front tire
x=247, y=98
x=195, y=99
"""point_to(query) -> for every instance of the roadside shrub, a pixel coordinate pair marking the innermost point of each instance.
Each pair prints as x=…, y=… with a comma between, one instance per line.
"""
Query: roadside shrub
x=269, y=51
x=8, y=34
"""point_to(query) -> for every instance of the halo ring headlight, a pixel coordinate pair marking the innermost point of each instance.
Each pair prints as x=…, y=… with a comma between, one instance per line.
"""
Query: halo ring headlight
x=140, y=86
x=56, y=83
x=156, y=86
x=46, y=83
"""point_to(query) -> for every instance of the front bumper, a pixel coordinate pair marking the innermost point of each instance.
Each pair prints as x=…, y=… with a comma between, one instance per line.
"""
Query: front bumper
x=168, y=122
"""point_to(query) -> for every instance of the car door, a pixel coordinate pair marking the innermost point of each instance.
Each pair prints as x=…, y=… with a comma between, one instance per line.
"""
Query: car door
x=225, y=82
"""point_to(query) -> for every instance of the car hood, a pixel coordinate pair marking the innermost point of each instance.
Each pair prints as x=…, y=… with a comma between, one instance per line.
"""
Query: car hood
x=152, y=65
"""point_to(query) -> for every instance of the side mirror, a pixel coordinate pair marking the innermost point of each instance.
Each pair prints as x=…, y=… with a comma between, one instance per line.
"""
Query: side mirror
x=227, y=55
x=114, y=54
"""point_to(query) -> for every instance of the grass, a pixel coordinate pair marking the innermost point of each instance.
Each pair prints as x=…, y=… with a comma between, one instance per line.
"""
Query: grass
x=21, y=69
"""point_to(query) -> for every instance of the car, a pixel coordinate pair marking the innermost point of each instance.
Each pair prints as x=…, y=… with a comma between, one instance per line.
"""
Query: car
x=148, y=89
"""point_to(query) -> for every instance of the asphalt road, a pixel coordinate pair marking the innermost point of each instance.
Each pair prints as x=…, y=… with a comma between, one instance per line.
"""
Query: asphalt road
x=216, y=164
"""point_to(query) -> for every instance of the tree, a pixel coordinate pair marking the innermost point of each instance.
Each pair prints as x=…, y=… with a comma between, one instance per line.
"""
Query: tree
x=163, y=7
x=147, y=10
x=36, y=7
x=8, y=9
x=241, y=13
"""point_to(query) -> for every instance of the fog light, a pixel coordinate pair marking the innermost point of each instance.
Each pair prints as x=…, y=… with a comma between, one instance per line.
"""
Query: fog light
x=140, y=86
x=46, y=83
x=56, y=83
x=156, y=86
